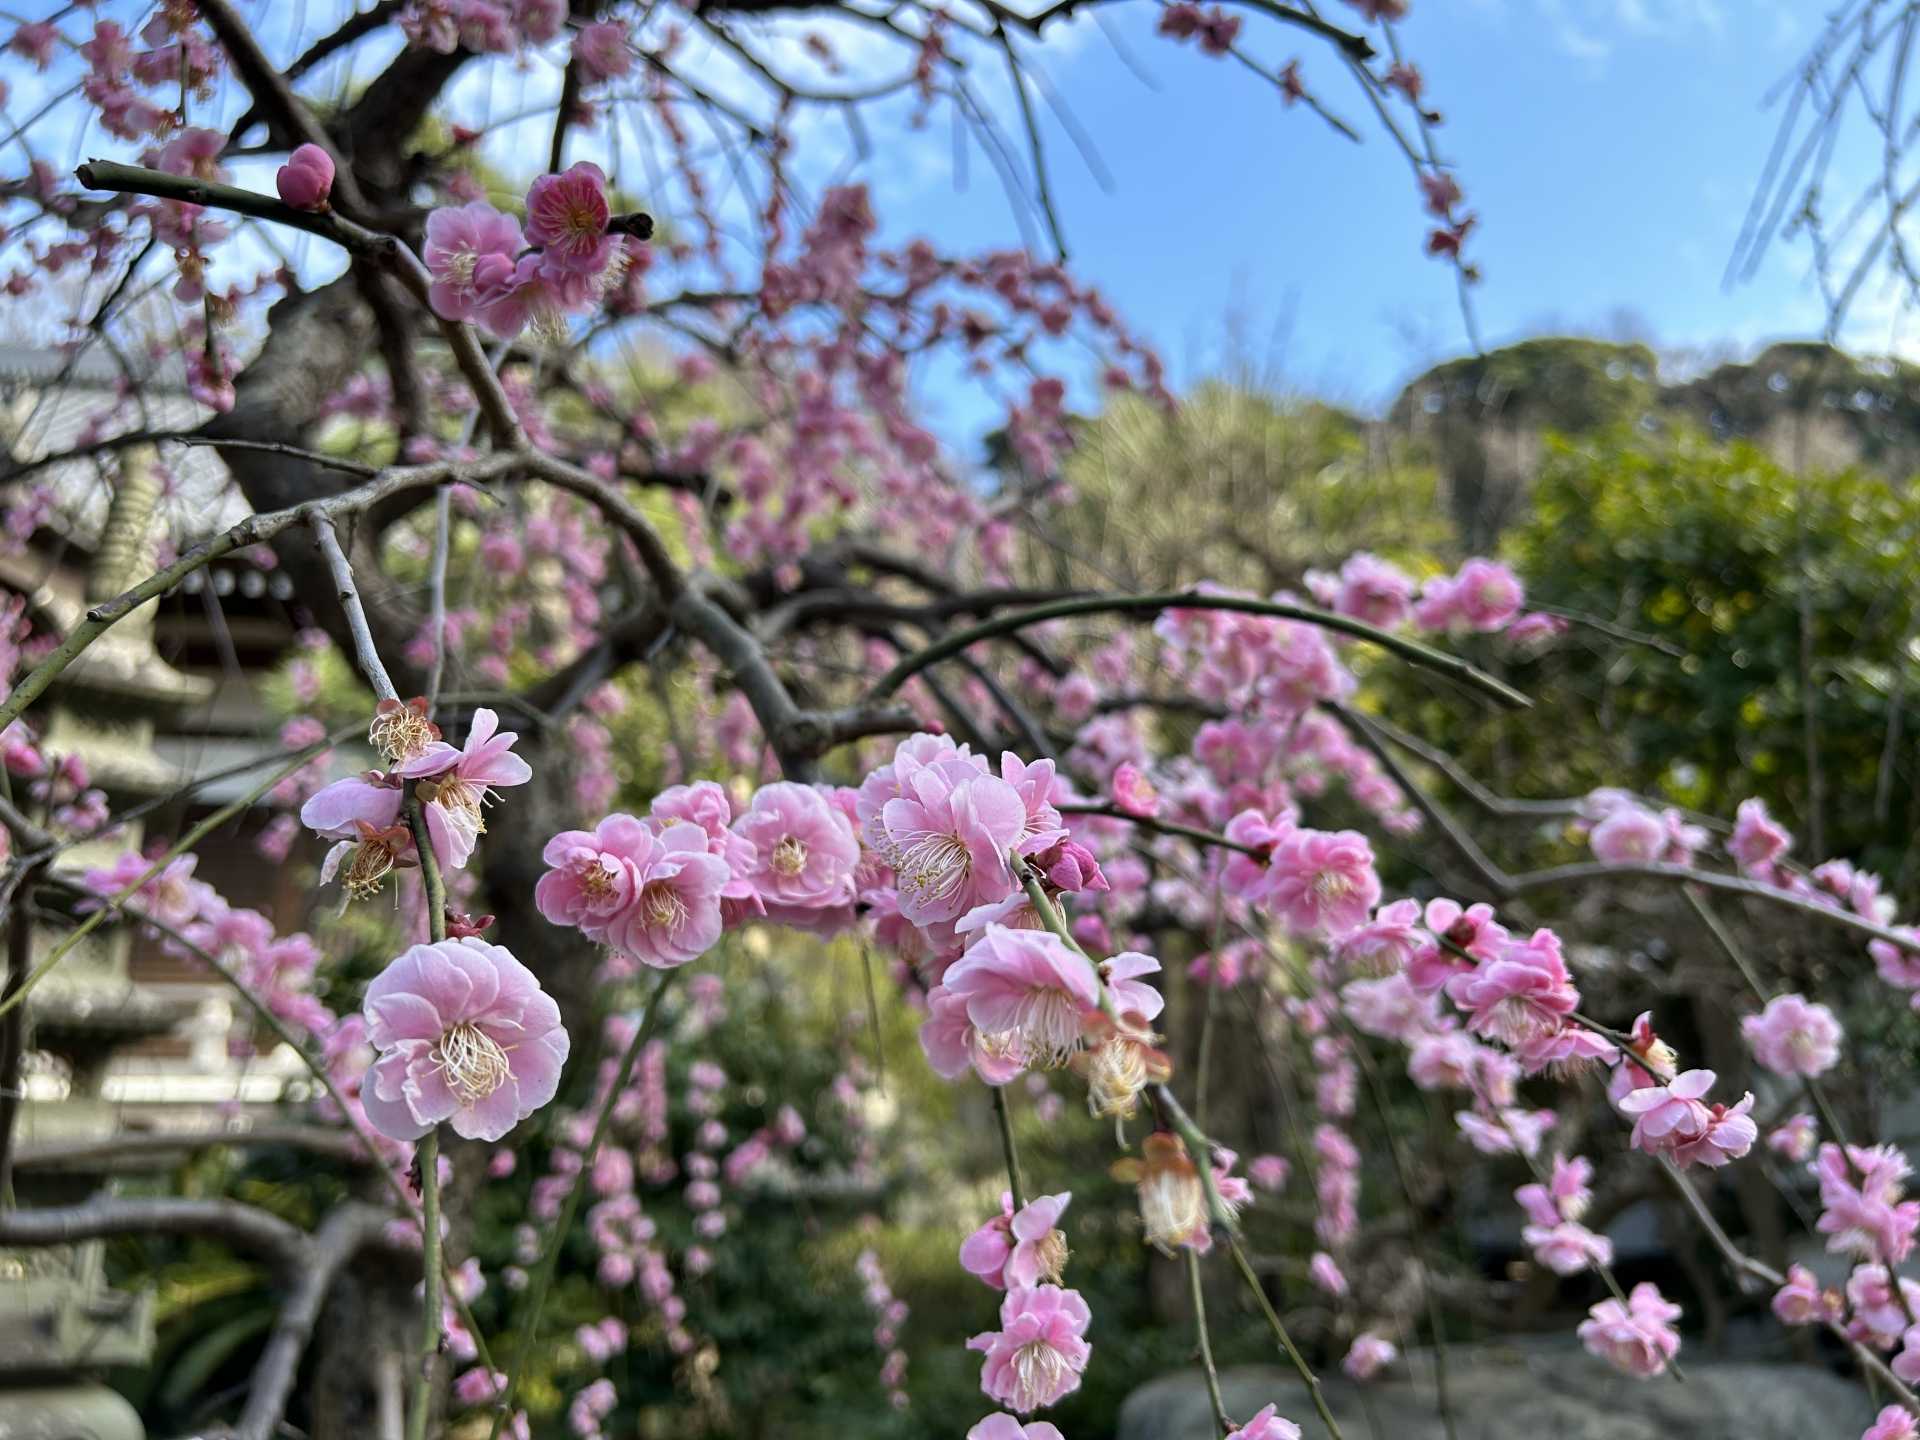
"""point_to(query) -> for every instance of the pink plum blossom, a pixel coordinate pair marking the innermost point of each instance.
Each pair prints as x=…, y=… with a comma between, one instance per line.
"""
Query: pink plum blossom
x=460, y=779
x=1037, y=1355
x=593, y=877
x=1567, y=1247
x=602, y=52
x=1794, y=1036
x=1368, y=1355
x=1757, y=841
x=675, y=914
x=1627, y=835
x=1861, y=1192
x=1325, y=1275
x=1879, y=1315
x=1322, y=882
x=1131, y=996
x=1132, y=793
x=1794, y=1138
x=1895, y=1422
x=1487, y=595
x=1269, y=1172
x=1669, y=1116
x=1506, y=1131
x=952, y=1043
x=1003, y=1426
x=465, y=1035
x=805, y=851
x=1027, y=994
x=1801, y=1301
x=470, y=253
x=1017, y=1250
x=1521, y=996
x=567, y=217
x=949, y=840
x=1373, y=590
x=1386, y=943
x=1637, y=1337
x=706, y=804
x=1267, y=1424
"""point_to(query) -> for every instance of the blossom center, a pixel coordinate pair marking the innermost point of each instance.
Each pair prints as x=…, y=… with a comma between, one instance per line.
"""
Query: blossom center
x=371, y=863
x=596, y=880
x=664, y=908
x=400, y=732
x=462, y=797
x=582, y=224
x=1047, y=1027
x=459, y=267
x=935, y=866
x=473, y=1062
x=1038, y=1369
x=1051, y=1255
x=1516, y=1020
x=789, y=857
x=1332, y=885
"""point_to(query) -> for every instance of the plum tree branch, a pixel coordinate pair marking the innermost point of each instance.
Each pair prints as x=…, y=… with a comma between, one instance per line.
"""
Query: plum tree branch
x=1412, y=651
x=254, y=530
x=327, y=536
x=317, y=1263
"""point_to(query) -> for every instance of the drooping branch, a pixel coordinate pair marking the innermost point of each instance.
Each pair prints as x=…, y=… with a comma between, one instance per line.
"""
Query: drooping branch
x=130, y=1150
x=13, y=1026
x=351, y=236
x=254, y=530
x=247, y=1227
x=542, y=1279
x=1503, y=885
x=1139, y=606
x=1156, y=825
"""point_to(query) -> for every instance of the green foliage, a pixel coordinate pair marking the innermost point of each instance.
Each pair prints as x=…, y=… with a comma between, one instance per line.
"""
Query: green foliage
x=1238, y=486
x=1720, y=553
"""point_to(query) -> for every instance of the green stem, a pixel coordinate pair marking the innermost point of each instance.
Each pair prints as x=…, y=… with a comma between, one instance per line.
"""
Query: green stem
x=1220, y=1418
x=427, y=1156
x=955, y=641
x=431, y=883
x=543, y=1277
x=1008, y=1148
x=1158, y=826
x=1274, y=1323
x=427, y=1152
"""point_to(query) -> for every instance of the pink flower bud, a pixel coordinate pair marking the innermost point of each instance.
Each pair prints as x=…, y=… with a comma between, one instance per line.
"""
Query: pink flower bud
x=306, y=179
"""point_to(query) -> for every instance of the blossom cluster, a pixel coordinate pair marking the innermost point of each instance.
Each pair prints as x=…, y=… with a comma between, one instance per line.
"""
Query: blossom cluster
x=363, y=815
x=488, y=268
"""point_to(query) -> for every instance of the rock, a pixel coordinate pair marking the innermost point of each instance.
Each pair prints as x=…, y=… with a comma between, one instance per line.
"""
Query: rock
x=1525, y=1390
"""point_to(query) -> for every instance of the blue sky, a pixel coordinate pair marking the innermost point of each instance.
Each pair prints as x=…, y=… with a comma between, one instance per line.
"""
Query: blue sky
x=1609, y=154
x=1609, y=147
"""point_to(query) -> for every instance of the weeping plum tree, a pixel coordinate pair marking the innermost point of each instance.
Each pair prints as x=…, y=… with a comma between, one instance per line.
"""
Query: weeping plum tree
x=551, y=356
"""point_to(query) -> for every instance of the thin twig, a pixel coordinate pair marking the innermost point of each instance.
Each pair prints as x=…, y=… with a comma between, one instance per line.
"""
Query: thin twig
x=347, y=592
x=1220, y=1418
x=1016, y=1186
